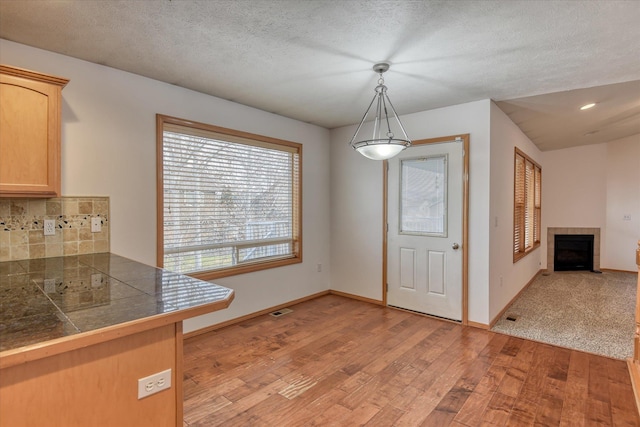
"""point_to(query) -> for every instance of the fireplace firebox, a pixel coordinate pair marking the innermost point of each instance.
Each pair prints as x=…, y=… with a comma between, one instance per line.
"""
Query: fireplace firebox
x=573, y=252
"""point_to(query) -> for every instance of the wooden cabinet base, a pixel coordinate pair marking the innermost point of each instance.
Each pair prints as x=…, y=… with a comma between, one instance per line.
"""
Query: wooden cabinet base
x=634, y=371
x=97, y=385
x=634, y=363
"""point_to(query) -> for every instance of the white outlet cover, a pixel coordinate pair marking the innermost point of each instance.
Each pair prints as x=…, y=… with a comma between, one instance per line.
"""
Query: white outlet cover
x=154, y=383
x=49, y=227
x=49, y=286
x=96, y=280
x=96, y=224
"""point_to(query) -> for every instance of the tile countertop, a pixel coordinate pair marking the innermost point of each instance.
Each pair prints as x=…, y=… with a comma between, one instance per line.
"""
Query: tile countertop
x=47, y=299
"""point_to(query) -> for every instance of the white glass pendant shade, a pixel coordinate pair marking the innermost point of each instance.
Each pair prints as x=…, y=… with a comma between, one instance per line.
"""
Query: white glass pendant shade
x=381, y=143
x=380, y=151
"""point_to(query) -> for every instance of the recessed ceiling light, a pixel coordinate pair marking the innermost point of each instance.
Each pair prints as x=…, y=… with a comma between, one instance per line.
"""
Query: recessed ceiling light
x=587, y=106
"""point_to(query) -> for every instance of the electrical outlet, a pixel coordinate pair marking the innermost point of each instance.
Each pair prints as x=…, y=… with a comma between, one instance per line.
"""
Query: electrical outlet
x=154, y=383
x=96, y=224
x=96, y=280
x=626, y=218
x=49, y=286
x=49, y=227
x=318, y=268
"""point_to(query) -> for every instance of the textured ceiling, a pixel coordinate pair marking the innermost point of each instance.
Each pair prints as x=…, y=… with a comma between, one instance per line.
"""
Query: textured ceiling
x=311, y=60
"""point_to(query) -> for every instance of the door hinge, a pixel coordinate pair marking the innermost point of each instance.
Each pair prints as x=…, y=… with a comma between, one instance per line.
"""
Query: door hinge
x=387, y=287
x=387, y=227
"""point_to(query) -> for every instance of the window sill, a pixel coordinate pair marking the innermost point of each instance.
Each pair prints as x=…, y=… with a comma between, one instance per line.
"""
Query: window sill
x=248, y=268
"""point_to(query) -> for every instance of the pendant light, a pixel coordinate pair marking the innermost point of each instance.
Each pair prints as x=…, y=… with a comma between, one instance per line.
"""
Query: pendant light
x=383, y=143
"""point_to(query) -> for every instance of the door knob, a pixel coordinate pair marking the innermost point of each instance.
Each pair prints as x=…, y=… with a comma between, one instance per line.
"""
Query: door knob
x=455, y=246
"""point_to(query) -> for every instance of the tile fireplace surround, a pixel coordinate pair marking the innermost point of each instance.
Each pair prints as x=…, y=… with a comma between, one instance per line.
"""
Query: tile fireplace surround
x=551, y=233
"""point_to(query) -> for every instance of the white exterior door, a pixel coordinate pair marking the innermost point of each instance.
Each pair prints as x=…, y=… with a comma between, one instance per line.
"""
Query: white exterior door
x=424, y=238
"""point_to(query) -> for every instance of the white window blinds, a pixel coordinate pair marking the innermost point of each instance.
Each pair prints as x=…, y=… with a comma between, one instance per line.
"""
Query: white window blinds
x=228, y=200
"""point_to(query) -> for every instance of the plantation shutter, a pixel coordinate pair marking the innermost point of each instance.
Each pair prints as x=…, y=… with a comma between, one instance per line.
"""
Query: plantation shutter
x=537, y=204
x=228, y=200
x=527, y=205
x=529, y=211
x=519, y=200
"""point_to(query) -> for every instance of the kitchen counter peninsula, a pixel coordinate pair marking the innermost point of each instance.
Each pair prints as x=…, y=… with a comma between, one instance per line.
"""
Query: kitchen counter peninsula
x=77, y=332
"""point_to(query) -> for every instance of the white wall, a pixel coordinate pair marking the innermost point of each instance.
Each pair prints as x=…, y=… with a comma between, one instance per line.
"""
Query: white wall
x=109, y=149
x=506, y=279
x=575, y=187
x=357, y=204
x=596, y=186
x=574, y=190
x=623, y=199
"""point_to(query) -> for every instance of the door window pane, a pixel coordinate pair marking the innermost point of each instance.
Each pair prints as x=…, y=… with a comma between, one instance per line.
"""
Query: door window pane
x=423, y=196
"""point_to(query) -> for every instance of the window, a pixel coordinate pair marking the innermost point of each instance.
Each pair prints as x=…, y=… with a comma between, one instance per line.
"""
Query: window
x=229, y=202
x=423, y=196
x=526, y=206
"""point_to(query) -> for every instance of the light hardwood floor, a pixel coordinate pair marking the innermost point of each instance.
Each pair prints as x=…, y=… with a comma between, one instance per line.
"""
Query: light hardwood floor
x=340, y=362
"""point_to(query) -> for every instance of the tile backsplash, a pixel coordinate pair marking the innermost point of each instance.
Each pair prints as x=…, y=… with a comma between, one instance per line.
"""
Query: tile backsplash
x=22, y=227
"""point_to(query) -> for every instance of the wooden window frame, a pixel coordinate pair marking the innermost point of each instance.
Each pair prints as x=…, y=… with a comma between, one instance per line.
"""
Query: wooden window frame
x=522, y=204
x=258, y=140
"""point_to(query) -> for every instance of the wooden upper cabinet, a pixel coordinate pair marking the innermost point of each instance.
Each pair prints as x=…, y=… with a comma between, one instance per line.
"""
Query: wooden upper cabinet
x=30, y=111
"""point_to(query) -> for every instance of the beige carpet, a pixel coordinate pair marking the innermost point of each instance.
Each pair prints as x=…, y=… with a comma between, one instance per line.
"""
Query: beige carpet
x=580, y=310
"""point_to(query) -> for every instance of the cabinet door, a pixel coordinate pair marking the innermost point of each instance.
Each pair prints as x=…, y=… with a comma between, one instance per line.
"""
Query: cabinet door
x=29, y=137
x=636, y=352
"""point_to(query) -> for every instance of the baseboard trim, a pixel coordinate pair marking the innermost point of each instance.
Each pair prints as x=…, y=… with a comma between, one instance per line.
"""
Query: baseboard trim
x=478, y=325
x=634, y=372
x=217, y=326
x=506, y=307
x=611, y=270
x=356, y=297
x=230, y=322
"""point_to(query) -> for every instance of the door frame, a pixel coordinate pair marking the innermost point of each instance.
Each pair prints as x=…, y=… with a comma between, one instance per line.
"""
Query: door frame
x=465, y=218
